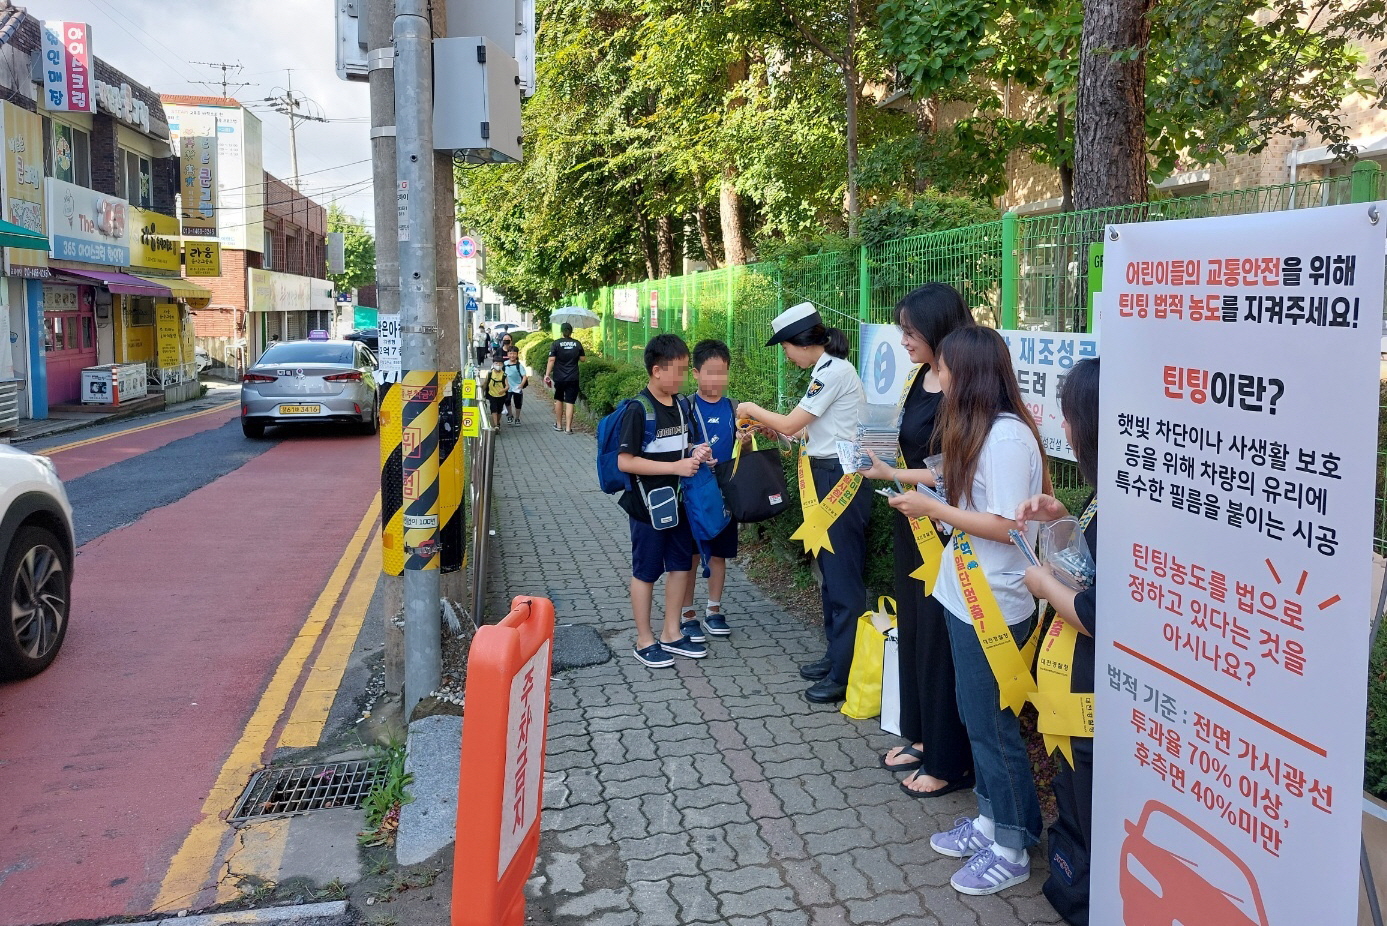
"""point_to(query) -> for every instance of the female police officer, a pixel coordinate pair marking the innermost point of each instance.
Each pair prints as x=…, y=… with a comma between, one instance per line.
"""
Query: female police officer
x=836, y=505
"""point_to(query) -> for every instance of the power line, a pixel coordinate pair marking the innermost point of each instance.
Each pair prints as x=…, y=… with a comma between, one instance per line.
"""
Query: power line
x=111, y=14
x=226, y=68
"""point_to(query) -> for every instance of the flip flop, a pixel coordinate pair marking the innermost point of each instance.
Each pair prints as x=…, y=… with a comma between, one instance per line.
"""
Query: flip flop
x=964, y=782
x=904, y=766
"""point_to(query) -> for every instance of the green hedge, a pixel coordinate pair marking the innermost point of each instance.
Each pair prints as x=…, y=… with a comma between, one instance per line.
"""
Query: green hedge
x=534, y=352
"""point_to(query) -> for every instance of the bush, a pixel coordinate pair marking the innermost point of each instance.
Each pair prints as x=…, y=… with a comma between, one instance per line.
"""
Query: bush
x=534, y=353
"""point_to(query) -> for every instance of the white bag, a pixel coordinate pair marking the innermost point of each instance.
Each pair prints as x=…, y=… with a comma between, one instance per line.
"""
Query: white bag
x=891, y=685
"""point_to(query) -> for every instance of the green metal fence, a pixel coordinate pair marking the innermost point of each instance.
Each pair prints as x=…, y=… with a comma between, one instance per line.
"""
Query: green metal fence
x=1018, y=271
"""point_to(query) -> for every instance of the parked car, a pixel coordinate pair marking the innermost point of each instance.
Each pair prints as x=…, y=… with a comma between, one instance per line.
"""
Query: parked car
x=36, y=540
x=298, y=382
x=499, y=330
x=368, y=336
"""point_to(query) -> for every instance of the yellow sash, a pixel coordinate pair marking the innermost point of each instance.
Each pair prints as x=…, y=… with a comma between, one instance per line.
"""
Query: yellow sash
x=1063, y=713
x=1010, y=666
x=820, y=515
x=922, y=529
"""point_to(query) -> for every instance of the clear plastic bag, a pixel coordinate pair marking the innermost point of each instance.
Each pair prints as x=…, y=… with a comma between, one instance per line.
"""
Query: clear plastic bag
x=1065, y=551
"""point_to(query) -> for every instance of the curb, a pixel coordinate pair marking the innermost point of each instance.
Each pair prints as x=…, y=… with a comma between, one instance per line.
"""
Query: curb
x=316, y=914
x=68, y=425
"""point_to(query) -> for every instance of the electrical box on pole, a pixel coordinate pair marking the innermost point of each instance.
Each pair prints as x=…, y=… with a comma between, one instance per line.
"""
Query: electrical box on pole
x=510, y=24
x=351, y=40
x=476, y=109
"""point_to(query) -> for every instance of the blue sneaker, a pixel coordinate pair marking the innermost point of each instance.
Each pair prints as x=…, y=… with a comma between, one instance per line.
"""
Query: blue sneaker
x=654, y=656
x=717, y=624
x=963, y=841
x=987, y=873
x=685, y=647
x=692, y=631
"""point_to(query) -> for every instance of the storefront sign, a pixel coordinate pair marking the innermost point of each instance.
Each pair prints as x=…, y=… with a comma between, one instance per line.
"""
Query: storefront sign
x=121, y=103
x=67, y=67
x=155, y=245
x=1042, y=359
x=198, y=146
x=626, y=305
x=86, y=225
x=1236, y=482
x=278, y=292
x=240, y=179
x=24, y=197
x=203, y=259
x=167, y=335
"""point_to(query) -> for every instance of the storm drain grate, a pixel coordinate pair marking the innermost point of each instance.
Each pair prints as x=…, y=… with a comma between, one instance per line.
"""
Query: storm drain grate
x=275, y=792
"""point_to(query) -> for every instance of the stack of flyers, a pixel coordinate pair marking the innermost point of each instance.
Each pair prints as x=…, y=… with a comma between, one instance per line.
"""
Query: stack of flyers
x=880, y=441
x=852, y=456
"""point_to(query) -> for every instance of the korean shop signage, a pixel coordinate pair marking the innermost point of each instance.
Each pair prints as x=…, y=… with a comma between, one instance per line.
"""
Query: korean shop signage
x=86, y=225
x=67, y=67
x=202, y=259
x=122, y=103
x=155, y=243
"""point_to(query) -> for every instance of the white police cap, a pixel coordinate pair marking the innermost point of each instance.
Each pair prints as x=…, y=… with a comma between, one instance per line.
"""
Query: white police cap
x=794, y=320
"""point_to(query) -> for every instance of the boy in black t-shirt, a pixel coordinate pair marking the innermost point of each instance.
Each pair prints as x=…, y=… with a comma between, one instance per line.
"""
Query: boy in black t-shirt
x=655, y=467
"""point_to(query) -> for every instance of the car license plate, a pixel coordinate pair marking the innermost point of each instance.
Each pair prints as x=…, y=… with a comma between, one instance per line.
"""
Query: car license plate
x=300, y=409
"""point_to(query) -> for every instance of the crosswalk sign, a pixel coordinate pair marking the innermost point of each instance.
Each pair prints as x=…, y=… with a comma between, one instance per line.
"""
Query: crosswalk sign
x=471, y=304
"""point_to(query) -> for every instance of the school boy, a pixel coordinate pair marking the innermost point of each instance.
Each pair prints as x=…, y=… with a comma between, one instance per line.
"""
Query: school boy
x=717, y=423
x=496, y=390
x=656, y=466
x=517, y=378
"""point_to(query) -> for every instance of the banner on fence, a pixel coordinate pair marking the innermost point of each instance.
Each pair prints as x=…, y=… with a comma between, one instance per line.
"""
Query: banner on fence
x=883, y=363
x=626, y=305
x=1042, y=359
x=1237, y=456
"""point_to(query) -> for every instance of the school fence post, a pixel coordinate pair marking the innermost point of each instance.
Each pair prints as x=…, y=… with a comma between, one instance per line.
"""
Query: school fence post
x=1010, y=272
x=1363, y=185
x=501, y=778
x=729, y=279
x=864, y=286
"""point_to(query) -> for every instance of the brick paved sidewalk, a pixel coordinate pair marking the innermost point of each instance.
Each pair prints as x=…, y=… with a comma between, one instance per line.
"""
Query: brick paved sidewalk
x=711, y=792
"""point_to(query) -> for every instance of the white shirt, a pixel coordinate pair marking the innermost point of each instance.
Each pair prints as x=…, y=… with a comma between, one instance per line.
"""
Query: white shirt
x=1008, y=473
x=833, y=397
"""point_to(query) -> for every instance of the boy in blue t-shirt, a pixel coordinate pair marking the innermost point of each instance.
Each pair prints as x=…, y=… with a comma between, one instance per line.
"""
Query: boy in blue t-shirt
x=717, y=420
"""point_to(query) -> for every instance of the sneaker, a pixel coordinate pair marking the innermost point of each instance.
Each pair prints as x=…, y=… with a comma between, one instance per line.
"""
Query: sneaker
x=717, y=624
x=963, y=841
x=692, y=631
x=654, y=656
x=987, y=873
x=557, y=428
x=686, y=648
x=515, y=421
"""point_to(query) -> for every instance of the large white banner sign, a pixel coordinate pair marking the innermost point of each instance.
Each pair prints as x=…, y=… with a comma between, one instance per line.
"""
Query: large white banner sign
x=1237, y=456
x=1042, y=359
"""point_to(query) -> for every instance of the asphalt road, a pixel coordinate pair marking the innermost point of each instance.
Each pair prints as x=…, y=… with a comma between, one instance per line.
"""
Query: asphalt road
x=203, y=563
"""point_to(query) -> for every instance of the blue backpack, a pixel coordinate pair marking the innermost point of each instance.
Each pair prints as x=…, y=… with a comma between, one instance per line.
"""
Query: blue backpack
x=610, y=479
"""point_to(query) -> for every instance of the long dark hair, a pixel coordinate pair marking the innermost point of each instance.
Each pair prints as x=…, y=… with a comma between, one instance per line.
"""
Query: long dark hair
x=982, y=385
x=834, y=341
x=1079, y=402
x=932, y=312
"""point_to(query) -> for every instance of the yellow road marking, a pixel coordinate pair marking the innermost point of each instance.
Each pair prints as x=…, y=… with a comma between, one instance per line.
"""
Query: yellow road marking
x=191, y=866
x=305, y=725
x=146, y=427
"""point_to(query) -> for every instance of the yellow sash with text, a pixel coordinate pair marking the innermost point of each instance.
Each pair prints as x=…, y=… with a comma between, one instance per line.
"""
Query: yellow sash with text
x=1063, y=713
x=1010, y=665
x=922, y=529
x=819, y=514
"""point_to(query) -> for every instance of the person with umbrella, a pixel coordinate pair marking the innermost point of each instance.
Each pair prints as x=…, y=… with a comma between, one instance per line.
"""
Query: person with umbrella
x=561, y=375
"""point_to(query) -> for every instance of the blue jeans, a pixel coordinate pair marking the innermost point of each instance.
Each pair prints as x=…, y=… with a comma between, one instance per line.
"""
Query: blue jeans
x=1005, y=783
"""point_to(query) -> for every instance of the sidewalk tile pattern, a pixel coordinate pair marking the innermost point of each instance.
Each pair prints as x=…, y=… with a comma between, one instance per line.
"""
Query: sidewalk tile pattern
x=712, y=792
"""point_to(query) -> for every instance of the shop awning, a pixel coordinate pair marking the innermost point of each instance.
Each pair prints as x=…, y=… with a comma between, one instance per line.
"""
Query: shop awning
x=17, y=236
x=122, y=283
x=196, y=296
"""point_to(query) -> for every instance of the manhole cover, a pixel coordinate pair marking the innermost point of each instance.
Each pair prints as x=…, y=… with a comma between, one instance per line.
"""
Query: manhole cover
x=275, y=792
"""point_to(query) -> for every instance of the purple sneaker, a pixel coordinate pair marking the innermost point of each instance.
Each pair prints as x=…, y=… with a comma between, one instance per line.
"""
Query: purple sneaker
x=963, y=841
x=987, y=873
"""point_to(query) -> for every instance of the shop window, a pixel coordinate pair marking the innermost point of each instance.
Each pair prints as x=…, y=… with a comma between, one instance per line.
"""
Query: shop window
x=267, y=258
x=141, y=311
x=67, y=154
x=137, y=179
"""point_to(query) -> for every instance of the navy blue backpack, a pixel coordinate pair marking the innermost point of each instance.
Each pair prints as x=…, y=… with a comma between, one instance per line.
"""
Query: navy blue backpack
x=610, y=479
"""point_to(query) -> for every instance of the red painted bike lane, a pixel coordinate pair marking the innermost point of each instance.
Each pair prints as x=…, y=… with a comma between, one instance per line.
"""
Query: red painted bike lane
x=80, y=457
x=106, y=758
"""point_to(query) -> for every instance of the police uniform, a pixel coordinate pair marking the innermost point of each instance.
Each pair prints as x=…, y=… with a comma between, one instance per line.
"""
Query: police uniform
x=834, y=397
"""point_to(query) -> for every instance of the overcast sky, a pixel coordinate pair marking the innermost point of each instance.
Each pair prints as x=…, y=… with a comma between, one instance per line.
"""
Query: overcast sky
x=157, y=42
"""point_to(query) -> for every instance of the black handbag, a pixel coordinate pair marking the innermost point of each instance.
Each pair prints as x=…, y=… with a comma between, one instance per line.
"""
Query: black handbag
x=753, y=484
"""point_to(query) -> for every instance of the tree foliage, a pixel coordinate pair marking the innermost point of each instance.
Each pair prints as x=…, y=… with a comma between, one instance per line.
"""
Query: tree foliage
x=360, y=250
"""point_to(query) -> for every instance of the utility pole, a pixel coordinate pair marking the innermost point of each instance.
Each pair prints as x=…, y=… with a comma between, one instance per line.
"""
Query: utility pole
x=226, y=68
x=380, y=23
x=419, y=346
x=298, y=108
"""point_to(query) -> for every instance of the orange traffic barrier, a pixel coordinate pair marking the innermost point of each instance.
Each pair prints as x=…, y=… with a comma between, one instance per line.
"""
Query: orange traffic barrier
x=501, y=782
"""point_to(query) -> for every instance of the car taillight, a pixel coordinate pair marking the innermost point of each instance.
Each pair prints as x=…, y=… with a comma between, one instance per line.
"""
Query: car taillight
x=353, y=377
x=257, y=378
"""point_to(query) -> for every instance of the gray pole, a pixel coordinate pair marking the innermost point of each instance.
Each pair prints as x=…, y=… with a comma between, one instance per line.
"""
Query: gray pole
x=419, y=346
x=380, y=21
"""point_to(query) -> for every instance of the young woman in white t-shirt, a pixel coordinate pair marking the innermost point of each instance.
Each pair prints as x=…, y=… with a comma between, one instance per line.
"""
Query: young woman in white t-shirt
x=993, y=461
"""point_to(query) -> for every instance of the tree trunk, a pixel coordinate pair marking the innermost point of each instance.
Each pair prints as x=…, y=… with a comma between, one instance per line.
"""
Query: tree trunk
x=736, y=238
x=850, y=82
x=711, y=257
x=668, y=252
x=1110, y=122
x=926, y=122
x=1066, y=166
x=648, y=246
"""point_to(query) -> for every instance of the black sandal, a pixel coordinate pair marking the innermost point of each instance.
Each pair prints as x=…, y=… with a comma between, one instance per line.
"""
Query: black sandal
x=904, y=766
x=964, y=781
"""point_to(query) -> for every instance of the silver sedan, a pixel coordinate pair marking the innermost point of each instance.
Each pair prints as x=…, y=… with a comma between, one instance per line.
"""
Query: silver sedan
x=299, y=382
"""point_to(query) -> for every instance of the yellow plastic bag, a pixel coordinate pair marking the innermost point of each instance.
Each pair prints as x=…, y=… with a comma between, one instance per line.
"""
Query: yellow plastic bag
x=864, y=681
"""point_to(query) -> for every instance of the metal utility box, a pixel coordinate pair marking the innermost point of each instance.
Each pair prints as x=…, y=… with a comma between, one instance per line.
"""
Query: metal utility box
x=508, y=23
x=351, y=40
x=476, y=100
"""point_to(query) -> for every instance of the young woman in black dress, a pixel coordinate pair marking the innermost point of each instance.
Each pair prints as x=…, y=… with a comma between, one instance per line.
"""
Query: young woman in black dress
x=937, y=753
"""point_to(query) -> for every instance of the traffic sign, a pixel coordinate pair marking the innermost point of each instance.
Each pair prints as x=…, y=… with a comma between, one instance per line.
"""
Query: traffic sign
x=471, y=304
x=467, y=246
x=471, y=289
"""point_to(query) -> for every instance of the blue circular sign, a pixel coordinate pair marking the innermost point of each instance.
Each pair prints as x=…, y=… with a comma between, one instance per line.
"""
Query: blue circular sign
x=883, y=368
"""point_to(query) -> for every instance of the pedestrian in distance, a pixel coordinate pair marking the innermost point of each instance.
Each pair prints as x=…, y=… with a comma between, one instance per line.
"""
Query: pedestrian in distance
x=483, y=344
x=1071, y=834
x=937, y=753
x=561, y=375
x=717, y=423
x=656, y=457
x=826, y=414
x=993, y=461
x=496, y=390
x=517, y=378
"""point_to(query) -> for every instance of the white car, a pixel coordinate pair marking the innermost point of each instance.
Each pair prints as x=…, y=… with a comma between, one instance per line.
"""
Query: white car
x=38, y=546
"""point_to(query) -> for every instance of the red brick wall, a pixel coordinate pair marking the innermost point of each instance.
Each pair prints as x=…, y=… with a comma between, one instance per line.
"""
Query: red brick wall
x=228, y=306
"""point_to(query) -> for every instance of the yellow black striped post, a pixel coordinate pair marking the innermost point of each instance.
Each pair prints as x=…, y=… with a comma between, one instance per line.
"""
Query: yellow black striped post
x=451, y=473
x=419, y=454
x=391, y=482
